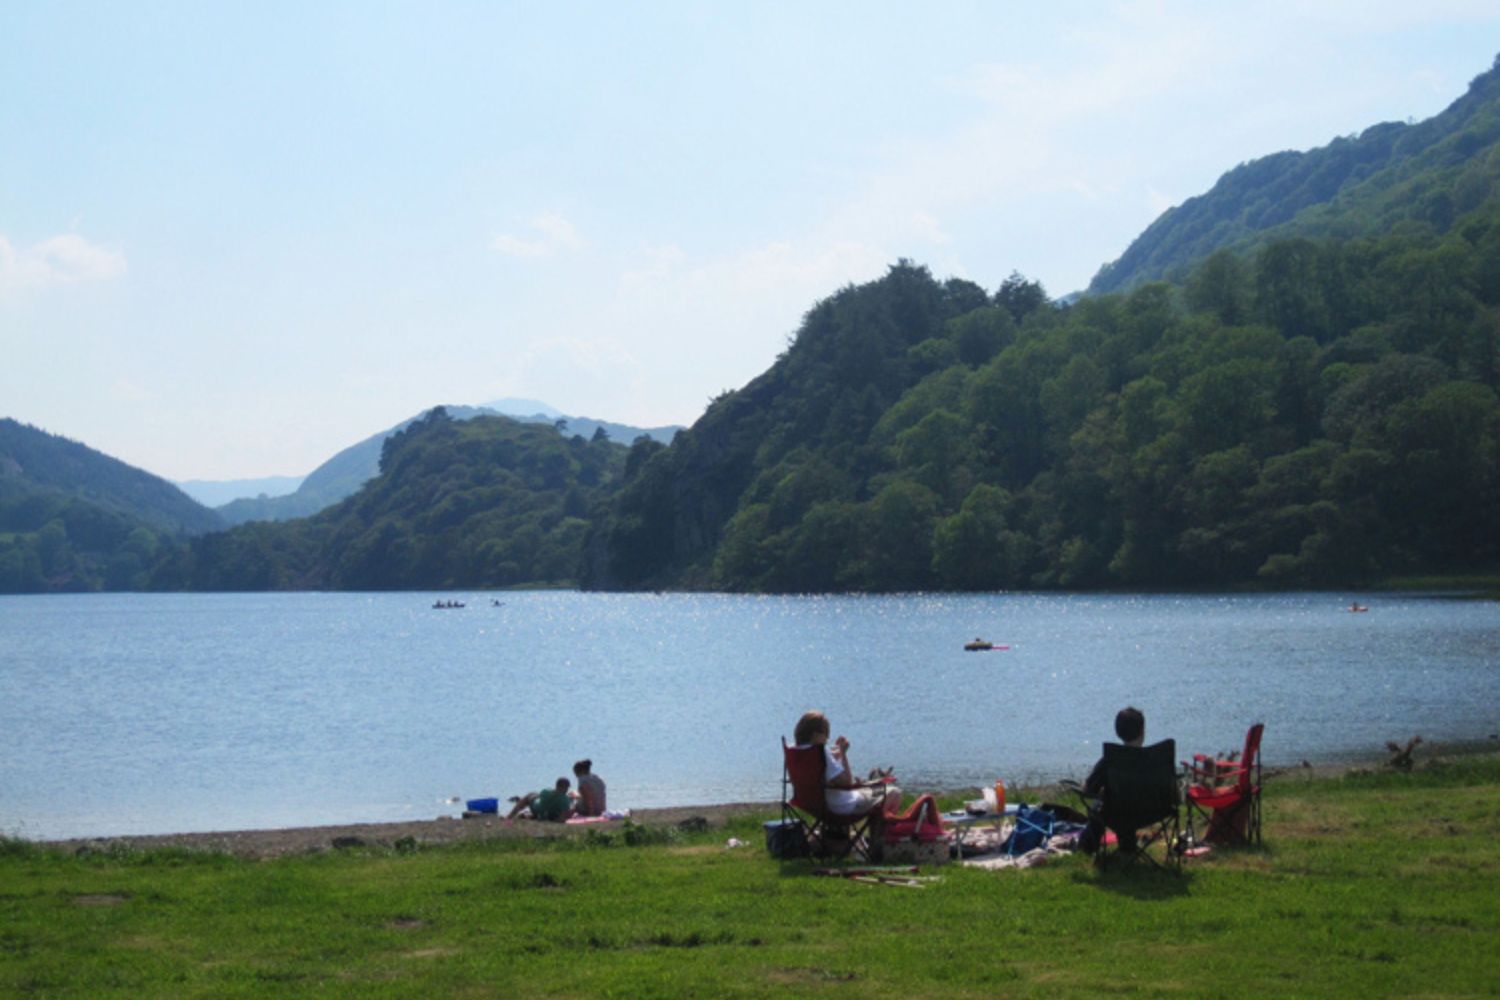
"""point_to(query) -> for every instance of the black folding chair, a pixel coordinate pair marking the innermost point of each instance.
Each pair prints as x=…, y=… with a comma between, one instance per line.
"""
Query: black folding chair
x=1140, y=804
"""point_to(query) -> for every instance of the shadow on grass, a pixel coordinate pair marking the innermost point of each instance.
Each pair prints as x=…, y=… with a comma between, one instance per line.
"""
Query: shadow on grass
x=805, y=867
x=1138, y=881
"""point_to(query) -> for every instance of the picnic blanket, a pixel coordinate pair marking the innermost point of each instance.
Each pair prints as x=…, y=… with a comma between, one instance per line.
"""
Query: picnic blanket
x=1025, y=845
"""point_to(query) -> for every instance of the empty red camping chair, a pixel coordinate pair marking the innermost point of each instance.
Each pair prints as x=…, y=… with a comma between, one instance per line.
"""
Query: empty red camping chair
x=921, y=821
x=804, y=802
x=1225, y=794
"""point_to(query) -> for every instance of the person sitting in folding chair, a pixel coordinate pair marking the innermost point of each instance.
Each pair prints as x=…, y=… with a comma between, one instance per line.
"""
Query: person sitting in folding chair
x=1134, y=787
x=852, y=805
x=843, y=793
x=1130, y=727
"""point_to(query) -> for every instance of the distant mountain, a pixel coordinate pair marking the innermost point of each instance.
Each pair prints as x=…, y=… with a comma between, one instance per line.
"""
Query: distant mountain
x=343, y=474
x=483, y=502
x=216, y=492
x=73, y=519
x=512, y=407
x=1429, y=173
x=339, y=477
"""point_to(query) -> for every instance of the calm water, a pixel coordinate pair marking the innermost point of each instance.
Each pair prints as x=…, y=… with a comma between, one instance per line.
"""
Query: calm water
x=137, y=713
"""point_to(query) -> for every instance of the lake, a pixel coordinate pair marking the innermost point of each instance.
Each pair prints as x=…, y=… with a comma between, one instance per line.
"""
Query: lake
x=154, y=713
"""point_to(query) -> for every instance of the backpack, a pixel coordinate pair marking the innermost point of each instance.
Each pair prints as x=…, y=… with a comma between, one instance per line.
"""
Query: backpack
x=1033, y=828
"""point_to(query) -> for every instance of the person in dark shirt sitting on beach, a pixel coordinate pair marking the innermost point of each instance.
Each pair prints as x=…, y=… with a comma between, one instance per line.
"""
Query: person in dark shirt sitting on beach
x=551, y=805
x=1130, y=727
x=590, y=789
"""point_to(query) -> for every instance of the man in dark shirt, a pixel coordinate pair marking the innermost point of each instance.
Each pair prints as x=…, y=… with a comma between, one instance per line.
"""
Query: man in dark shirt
x=1130, y=727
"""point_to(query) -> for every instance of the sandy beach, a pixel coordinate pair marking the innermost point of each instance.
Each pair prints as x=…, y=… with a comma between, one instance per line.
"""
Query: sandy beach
x=441, y=830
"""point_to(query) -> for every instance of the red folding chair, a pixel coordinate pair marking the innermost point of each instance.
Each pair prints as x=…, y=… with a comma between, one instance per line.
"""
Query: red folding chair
x=1225, y=794
x=826, y=832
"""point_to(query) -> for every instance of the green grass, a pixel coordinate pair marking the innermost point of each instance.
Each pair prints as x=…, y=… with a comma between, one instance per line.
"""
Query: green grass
x=1378, y=885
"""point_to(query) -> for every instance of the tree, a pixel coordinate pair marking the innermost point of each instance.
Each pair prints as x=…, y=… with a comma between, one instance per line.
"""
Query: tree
x=898, y=538
x=979, y=335
x=1226, y=404
x=1288, y=289
x=1221, y=288
x=969, y=549
x=935, y=453
x=1020, y=297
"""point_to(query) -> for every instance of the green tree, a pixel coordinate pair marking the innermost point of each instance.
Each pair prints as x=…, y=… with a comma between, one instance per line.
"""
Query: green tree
x=970, y=550
x=1220, y=286
x=1020, y=297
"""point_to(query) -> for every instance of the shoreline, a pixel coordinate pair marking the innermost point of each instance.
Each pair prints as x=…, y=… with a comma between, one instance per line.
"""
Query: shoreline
x=282, y=841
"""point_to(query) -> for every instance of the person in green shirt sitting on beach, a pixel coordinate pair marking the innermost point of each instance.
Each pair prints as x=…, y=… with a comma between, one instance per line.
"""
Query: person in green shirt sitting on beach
x=551, y=805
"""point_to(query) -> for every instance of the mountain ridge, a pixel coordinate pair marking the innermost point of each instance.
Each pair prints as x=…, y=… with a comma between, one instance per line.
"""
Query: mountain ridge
x=1318, y=192
x=347, y=470
x=31, y=455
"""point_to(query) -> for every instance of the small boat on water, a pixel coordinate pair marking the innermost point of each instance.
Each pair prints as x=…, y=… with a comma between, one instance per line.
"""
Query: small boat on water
x=983, y=646
x=444, y=605
x=1355, y=608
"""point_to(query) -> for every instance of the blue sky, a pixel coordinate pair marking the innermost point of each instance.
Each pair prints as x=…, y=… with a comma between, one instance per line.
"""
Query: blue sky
x=236, y=238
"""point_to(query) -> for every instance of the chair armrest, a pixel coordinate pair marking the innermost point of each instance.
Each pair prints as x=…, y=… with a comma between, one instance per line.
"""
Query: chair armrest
x=1212, y=768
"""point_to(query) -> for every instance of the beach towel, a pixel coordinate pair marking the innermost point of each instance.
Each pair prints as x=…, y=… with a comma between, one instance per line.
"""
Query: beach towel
x=605, y=817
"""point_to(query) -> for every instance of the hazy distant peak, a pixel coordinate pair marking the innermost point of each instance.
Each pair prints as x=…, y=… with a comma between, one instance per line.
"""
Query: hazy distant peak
x=217, y=492
x=523, y=408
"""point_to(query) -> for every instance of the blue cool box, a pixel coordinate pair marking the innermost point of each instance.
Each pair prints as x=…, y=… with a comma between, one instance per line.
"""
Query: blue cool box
x=483, y=805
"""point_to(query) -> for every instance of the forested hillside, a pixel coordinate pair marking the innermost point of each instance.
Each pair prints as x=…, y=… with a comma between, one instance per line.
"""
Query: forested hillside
x=32, y=457
x=343, y=474
x=1320, y=413
x=1431, y=173
x=487, y=502
x=73, y=519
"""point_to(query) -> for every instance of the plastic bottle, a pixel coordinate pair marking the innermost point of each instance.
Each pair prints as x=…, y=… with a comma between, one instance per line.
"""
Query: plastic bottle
x=999, y=796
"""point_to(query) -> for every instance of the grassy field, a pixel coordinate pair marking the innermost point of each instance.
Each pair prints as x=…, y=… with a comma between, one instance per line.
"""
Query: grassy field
x=1368, y=885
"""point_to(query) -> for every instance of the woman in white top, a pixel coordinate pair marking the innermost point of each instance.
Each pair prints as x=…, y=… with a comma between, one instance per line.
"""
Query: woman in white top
x=845, y=796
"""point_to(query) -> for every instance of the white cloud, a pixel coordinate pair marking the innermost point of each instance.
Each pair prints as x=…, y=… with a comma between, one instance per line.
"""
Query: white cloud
x=60, y=260
x=553, y=235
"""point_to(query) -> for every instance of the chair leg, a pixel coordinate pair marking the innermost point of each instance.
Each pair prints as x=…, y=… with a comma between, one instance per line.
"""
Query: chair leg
x=1168, y=833
x=1196, y=812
